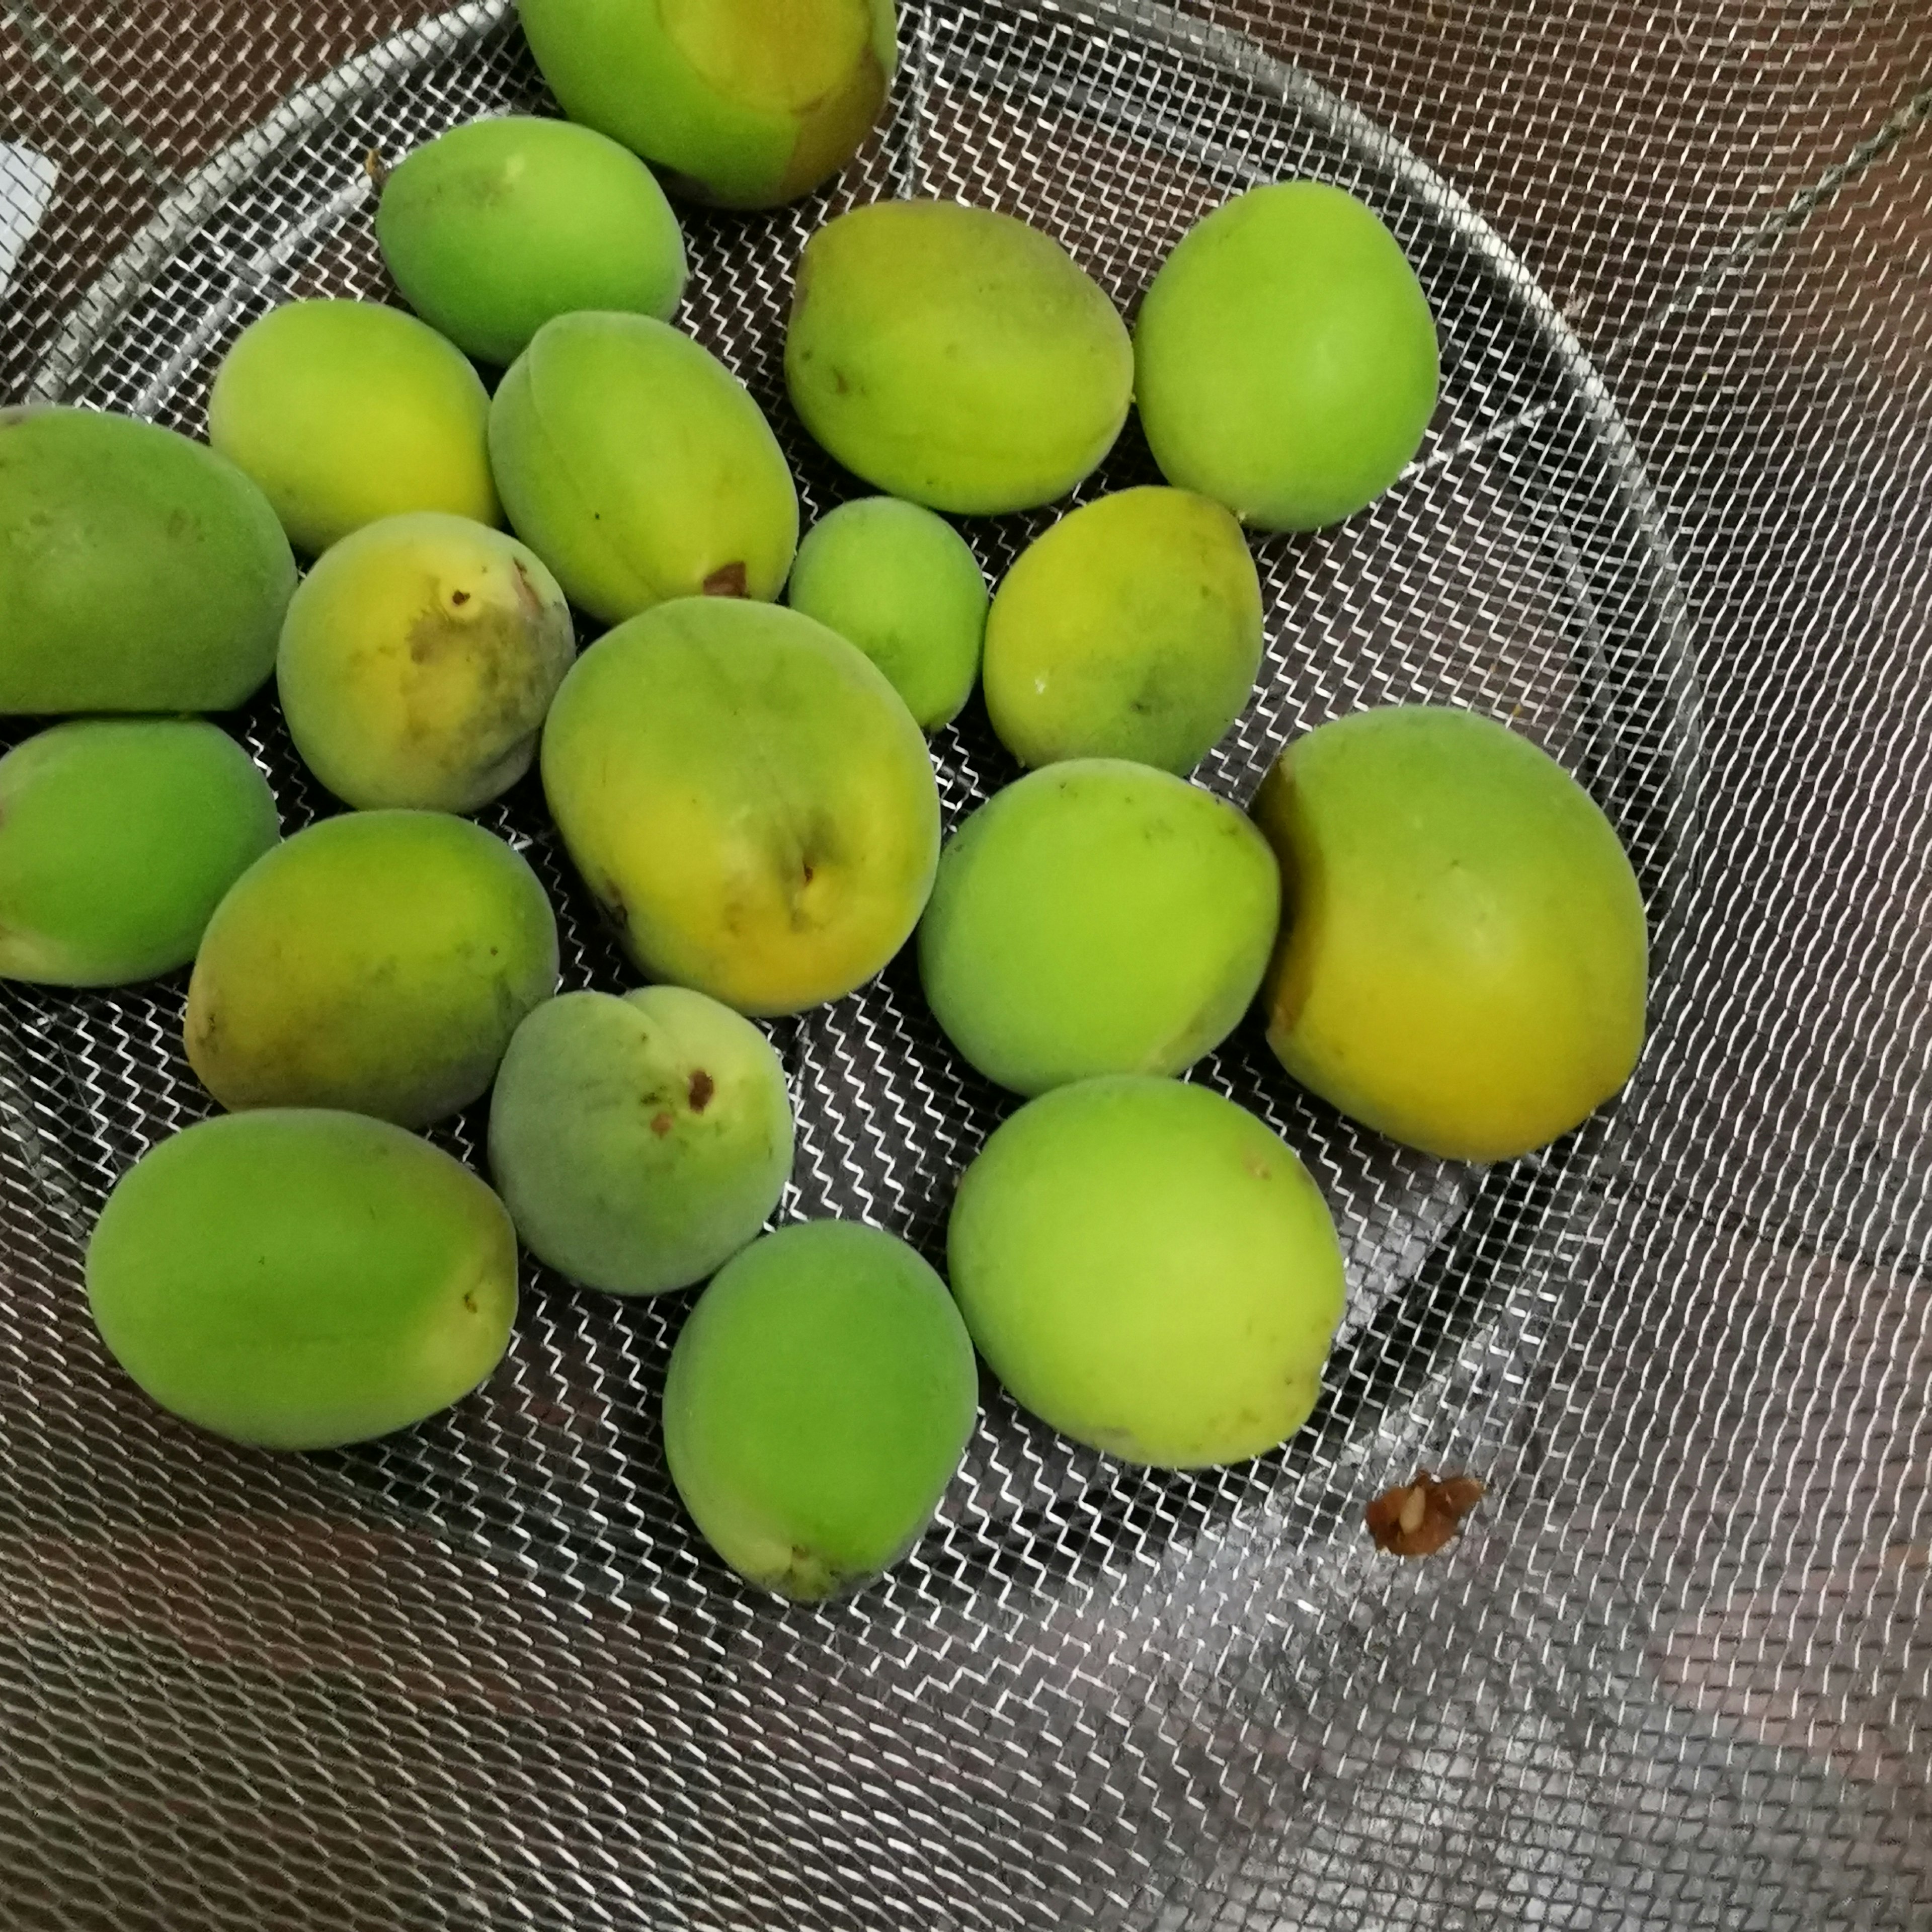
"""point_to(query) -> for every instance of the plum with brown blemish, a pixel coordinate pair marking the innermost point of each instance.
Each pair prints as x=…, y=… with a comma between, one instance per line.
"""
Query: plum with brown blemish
x=418, y=661
x=639, y=1142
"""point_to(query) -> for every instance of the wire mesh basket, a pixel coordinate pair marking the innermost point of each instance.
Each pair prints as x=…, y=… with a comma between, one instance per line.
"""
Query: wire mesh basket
x=1673, y=520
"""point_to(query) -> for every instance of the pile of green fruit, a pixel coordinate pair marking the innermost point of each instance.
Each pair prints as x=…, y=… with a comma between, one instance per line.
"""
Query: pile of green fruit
x=1444, y=932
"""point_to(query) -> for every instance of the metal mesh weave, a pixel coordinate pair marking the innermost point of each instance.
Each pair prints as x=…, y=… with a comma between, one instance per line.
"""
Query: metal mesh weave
x=1674, y=519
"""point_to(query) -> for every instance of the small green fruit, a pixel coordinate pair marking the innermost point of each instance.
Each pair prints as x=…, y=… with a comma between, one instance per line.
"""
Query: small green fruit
x=1149, y=1269
x=904, y=586
x=1286, y=358
x=1096, y=917
x=744, y=103
x=1463, y=960
x=639, y=1142
x=638, y=467
x=302, y=1280
x=118, y=839
x=377, y=963
x=1131, y=629
x=819, y=1397
x=139, y=572
x=347, y=411
x=748, y=798
x=955, y=357
x=418, y=661
x=496, y=227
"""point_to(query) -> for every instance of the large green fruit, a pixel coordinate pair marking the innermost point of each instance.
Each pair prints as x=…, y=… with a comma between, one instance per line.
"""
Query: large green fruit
x=638, y=467
x=139, y=572
x=418, y=660
x=1131, y=629
x=497, y=227
x=301, y=1280
x=378, y=962
x=955, y=356
x=118, y=837
x=639, y=1142
x=748, y=799
x=745, y=103
x=1096, y=917
x=347, y=411
x=1463, y=960
x=904, y=587
x=1151, y=1269
x=1286, y=358
x=819, y=1397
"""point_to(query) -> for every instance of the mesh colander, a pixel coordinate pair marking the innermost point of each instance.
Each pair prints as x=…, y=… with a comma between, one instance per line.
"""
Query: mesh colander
x=1672, y=520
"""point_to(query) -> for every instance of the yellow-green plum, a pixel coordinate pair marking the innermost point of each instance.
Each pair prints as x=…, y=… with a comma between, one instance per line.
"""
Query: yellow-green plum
x=1149, y=1268
x=346, y=412
x=904, y=587
x=495, y=228
x=638, y=467
x=301, y=1279
x=1286, y=358
x=639, y=1142
x=748, y=798
x=118, y=837
x=819, y=1398
x=955, y=357
x=1131, y=629
x=139, y=572
x=1462, y=962
x=377, y=963
x=418, y=660
x=744, y=103
x=1096, y=917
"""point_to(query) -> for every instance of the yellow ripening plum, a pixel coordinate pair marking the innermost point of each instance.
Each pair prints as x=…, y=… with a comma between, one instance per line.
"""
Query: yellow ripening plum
x=1131, y=629
x=955, y=357
x=302, y=1279
x=377, y=963
x=346, y=411
x=139, y=572
x=1463, y=958
x=1149, y=1268
x=743, y=103
x=748, y=799
x=418, y=660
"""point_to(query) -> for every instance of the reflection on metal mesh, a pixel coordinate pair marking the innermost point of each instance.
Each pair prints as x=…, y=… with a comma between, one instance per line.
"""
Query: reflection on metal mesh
x=1672, y=521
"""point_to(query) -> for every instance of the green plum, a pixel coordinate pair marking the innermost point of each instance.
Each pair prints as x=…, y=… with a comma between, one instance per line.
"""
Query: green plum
x=819, y=1398
x=1096, y=917
x=955, y=357
x=346, y=412
x=118, y=837
x=639, y=1142
x=302, y=1279
x=418, y=660
x=1463, y=959
x=377, y=963
x=638, y=467
x=1131, y=629
x=1286, y=358
x=496, y=227
x=904, y=587
x=139, y=572
x=748, y=798
x=744, y=103
x=1150, y=1269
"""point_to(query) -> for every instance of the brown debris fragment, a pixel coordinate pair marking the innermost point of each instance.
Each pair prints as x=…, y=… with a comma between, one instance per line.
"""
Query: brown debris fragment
x=730, y=579
x=1417, y=1518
